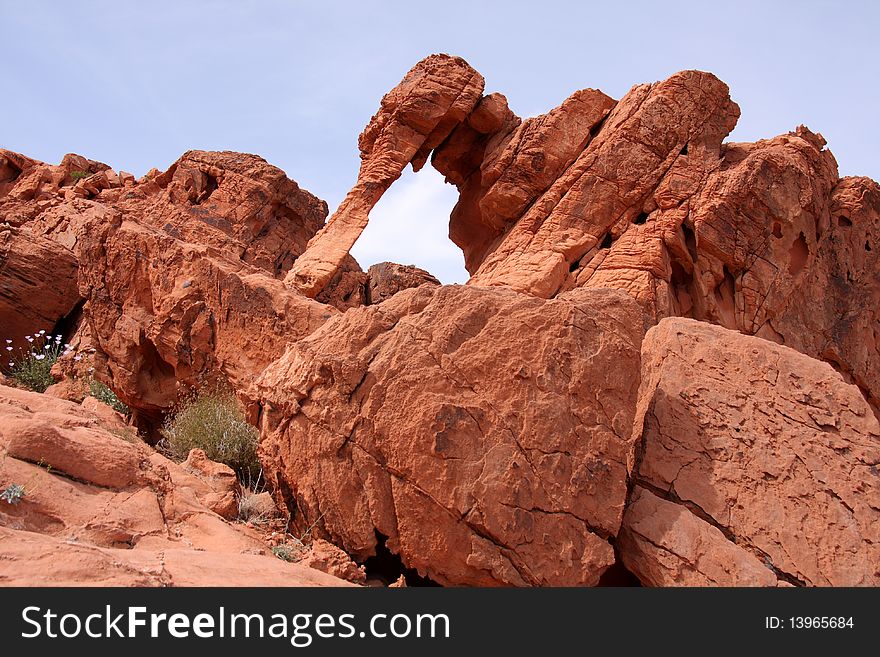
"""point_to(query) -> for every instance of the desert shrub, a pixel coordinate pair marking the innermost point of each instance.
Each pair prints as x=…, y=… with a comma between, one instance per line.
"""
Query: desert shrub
x=213, y=421
x=31, y=367
x=103, y=394
x=250, y=508
x=290, y=551
x=79, y=175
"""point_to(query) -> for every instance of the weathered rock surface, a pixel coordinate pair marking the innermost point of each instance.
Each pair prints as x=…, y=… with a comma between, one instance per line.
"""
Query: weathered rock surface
x=484, y=432
x=235, y=202
x=517, y=164
x=611, y=178
x=33, y=559
x=753, y=456
x=23, y=179
x=220, y=478
x=164, y=312
x=833, y=312
x=37, y=285
x=100, y=507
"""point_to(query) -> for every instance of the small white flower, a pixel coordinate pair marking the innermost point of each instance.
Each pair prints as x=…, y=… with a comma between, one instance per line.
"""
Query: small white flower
x=29, y=339
x=91, y=369
x=77, y=357
x=8, y=341
x=42, y=332
x=67, y=345
x=45, y=346
x=8, y=348
x=40, y=356
x=57, y=338
x=11, y=364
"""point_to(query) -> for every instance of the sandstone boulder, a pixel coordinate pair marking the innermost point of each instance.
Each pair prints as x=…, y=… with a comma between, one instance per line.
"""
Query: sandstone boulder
x=758, y=464
x=484, y=433
x=164, y=313
x=328, y=558
x=220, y=479
x=37, y=287
x=386, y=279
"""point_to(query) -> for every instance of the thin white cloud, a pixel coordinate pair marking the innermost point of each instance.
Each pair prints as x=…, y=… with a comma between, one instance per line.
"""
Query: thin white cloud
x=410, y=226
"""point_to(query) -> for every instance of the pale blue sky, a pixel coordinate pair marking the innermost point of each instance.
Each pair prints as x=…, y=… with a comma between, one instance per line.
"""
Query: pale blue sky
x=137, y=84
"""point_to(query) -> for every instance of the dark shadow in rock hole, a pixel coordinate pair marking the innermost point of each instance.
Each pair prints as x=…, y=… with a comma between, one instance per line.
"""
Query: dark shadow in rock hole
x=618, y=575
x=67, y=325
x=388, y=567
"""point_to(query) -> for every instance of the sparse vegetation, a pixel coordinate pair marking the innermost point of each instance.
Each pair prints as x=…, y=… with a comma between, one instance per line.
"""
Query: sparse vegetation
x=250, y=508
x=104, y=394
x=12, y=494
x=31, y=367
x=79, y=175
x=288, y=551
x=128, y=434
x=294, y=547
x=213, y=421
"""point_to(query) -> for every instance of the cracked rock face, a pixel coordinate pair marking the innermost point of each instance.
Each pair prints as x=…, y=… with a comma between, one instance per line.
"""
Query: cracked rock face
x=484, y=432
x=757, y=464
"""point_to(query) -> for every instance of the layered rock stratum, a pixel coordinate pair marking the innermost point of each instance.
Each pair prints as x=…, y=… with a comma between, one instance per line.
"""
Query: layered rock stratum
x=666, y=358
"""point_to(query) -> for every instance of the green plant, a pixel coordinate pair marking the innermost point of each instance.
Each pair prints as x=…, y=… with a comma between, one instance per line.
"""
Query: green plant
x=104, y=394
x=12, y=494
x=213, y=421
x=31, y=367
x=79, y=175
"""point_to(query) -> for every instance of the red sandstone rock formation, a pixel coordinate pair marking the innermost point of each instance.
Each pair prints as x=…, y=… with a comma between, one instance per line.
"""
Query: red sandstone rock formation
x=756, y=464
x=485, y=435
x=170, y=268
x=642, y=195
x=166, y=312
x=100, y=507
